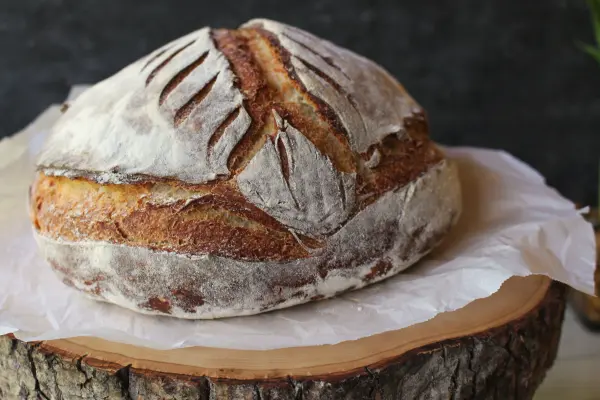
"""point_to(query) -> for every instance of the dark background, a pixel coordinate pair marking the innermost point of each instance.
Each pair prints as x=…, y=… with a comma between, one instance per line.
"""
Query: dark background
x=501, y=74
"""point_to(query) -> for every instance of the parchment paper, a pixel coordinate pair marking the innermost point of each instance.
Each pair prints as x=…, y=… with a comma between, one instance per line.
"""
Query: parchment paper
x=512, y=224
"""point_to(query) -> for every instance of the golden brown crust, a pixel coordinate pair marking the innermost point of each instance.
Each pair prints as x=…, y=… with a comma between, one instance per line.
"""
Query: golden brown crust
x=307, y=113
x=402, y=160
x=222, y=222
x=264, y=78
x=259, y=96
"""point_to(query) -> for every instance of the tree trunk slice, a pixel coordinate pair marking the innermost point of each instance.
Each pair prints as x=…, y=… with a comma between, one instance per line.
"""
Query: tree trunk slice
x=494, y=348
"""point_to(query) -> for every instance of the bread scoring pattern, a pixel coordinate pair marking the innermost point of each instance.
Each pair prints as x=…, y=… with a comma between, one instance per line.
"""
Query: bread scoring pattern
x=232, y=172
x=368, y=102
x=294, y=182
x=176, y=115
x=197, y=94
x=180, y=113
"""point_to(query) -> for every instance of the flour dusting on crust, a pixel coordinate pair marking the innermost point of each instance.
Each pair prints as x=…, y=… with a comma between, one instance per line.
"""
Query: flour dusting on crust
x=380, y=241
x=156, y=117
x=299, y=210
x=310, y=196
x=369, y=102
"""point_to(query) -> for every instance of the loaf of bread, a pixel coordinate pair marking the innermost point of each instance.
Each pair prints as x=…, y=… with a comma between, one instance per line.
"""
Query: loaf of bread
x=232, y=172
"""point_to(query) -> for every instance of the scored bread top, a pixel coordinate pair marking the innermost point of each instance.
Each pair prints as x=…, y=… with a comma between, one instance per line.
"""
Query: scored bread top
x=265, y=134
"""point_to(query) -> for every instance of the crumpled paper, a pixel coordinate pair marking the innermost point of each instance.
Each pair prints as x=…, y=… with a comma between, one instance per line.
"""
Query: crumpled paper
x=512, y=224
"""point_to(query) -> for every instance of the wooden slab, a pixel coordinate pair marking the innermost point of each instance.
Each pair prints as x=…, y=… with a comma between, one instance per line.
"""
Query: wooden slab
x=493, y=348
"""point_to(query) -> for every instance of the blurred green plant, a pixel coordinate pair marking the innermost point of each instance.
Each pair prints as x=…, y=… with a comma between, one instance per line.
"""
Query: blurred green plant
x=593, y=50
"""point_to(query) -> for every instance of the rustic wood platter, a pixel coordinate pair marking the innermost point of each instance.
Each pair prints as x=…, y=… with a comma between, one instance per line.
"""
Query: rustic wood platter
x=499, y=347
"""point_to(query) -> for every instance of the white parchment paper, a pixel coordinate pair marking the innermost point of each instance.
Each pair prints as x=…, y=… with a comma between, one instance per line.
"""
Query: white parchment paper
x=512, y=224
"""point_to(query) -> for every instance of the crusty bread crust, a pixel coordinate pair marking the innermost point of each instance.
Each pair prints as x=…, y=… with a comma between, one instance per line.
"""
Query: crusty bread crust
x=202, y=219
x=160, y=216
x=383, y=239
x=259, y=148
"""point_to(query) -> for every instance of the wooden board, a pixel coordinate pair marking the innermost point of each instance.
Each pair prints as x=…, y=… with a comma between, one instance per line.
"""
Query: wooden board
x=498, y=347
